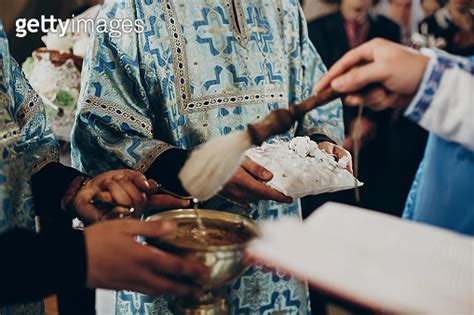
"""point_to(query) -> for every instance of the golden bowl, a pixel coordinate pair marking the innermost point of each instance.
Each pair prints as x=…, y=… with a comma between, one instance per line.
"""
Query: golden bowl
x=223, y=257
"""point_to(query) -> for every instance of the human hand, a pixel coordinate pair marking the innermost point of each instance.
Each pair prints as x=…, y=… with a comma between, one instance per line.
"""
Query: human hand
x=127, y=189
x=116, y=261
x=124, y=187
x=337, y=151
x=398, y=69
x=248, y=185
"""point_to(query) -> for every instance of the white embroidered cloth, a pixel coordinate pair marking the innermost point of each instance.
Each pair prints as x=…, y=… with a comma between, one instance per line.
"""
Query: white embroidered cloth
x=300, y=168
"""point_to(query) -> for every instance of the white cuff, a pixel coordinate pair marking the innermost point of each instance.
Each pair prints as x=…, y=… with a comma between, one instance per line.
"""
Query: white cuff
x=424, y=96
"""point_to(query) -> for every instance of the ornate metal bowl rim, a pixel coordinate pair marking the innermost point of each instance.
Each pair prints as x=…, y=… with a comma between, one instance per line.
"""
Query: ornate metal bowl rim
x=206, y=215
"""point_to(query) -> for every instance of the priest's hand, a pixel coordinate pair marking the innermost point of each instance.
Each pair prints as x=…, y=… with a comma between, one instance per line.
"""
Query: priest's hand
x=248, y=185
x=337, y=151
x=116, y=261
x=126, y=189
x=397, y=70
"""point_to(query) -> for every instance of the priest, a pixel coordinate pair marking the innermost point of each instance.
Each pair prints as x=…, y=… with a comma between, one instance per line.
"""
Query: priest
x=199, y=70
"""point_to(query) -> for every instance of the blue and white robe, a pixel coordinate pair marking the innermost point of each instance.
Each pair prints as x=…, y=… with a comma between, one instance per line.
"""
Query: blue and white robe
x=441, y=194
x=26, y=145
x=200, y=69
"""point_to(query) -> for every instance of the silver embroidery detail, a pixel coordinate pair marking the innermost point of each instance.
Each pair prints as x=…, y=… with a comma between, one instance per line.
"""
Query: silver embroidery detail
x=234, y=100
x=241, y=33
x=31, y=105
x=182, y=83
x=9, y=134
x=144, y=164
x=123, y=115
x=51, y=156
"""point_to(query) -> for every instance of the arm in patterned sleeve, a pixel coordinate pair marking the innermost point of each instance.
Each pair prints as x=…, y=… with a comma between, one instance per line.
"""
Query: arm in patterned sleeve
x=325, y=123
x=41, y=149
x=444, y=103
x=28, y=146
x=38, y=143
x=114, y=124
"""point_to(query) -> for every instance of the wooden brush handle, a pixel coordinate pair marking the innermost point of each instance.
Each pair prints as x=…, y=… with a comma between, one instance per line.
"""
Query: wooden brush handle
x=281, y=120
x=276, y=122
x=322, y=98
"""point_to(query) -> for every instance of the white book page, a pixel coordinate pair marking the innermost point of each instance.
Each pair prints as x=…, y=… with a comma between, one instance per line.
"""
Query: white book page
x=375, y=260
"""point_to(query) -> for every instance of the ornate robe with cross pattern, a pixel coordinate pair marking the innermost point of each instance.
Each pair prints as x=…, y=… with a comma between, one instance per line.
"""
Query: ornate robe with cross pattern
x=200, y=69
x=26, y=145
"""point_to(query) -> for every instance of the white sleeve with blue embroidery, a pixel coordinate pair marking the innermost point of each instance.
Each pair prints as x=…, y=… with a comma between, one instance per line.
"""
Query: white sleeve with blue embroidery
x=444, y=103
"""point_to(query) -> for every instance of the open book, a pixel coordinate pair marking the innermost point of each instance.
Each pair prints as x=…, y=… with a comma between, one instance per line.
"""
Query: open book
x=374, y=260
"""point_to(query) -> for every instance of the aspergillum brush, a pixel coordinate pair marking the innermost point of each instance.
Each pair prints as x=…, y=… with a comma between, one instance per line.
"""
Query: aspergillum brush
x=211, y=165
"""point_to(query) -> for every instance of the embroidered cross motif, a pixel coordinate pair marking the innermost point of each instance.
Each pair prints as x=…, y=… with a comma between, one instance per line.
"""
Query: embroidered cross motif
x=261, y=32
x=214, y=26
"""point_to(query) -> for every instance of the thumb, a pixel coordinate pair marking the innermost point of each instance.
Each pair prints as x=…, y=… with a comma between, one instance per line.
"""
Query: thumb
x=357, y=78
x=149, y=229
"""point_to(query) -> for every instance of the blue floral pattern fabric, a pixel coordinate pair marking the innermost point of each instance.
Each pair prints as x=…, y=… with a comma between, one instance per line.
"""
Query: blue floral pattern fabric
x=26, y=145
x=199, y=70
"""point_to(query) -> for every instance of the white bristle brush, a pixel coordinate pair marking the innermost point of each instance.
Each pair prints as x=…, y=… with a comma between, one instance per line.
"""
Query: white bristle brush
x=213, y=164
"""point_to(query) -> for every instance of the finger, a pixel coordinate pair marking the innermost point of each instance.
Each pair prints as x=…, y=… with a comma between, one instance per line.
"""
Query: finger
x=233, y=192
x=375, y=97
x=256, y=170
x=138, y=197
x=260, y=190
x=137, y=178
x=118, y=193
x=140, y=182
x=340, y=153
x=176, y=267
x=153, y=186
x=148, y=229
x=358, y=77
x=104, y=197
x=391, y=100
x=89, y=214
x=353, y=100
x=326, y=147
x=166, y=201
x=363, y=53
x=118, y=213
x=156, y=284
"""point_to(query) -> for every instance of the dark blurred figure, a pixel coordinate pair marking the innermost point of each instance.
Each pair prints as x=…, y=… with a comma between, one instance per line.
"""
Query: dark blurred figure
x=333, y=35
x=429, y=7
x=21, y=48
x=353, y=24
x=400, y=11
x=80, y=302
x=406, y=140
x=453, y=26
x=86, y=5
x=314, y=9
